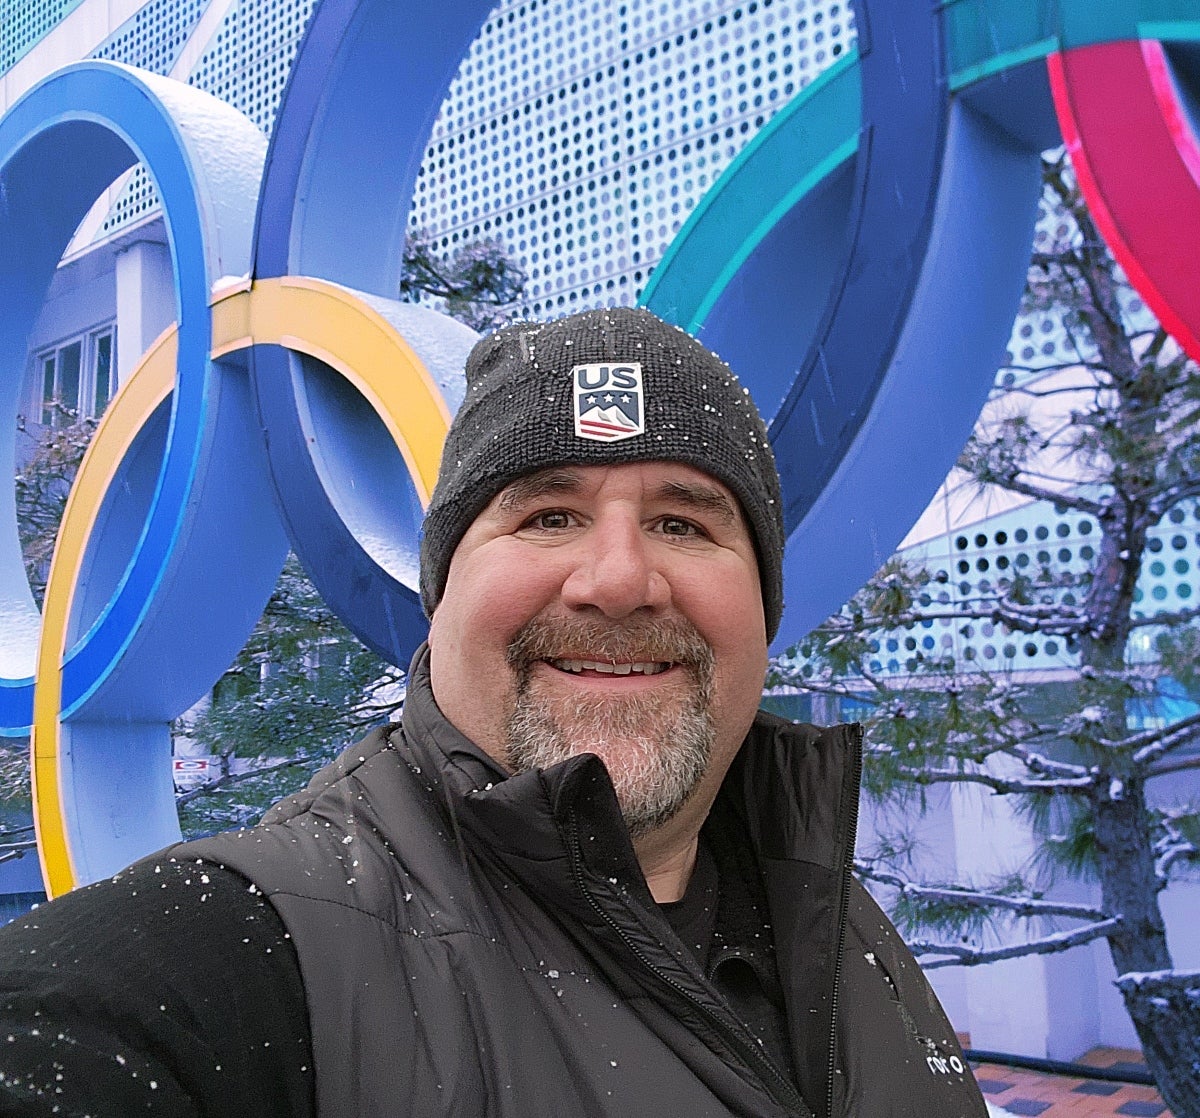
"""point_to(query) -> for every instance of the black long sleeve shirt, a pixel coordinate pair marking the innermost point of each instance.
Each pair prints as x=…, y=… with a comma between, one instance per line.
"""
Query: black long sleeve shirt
x=170, y=989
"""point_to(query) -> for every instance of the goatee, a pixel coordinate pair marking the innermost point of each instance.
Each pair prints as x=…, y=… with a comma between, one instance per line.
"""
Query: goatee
x=656, y=747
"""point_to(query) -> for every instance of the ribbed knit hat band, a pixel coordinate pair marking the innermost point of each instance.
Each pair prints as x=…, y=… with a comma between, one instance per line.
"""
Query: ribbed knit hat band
x=601, y=388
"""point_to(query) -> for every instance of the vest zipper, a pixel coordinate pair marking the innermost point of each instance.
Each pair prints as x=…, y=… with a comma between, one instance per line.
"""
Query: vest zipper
x=780, y=1090
x=850, y=792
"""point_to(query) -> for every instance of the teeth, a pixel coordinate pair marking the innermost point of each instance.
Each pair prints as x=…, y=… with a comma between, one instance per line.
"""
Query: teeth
x=649, y=667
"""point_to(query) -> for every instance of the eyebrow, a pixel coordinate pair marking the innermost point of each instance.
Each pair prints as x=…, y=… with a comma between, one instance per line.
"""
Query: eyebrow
x=695, y=496
x=701, y=498
x=544, y=483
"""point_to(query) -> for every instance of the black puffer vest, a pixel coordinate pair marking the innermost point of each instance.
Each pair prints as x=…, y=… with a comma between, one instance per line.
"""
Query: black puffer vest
x=479, y=945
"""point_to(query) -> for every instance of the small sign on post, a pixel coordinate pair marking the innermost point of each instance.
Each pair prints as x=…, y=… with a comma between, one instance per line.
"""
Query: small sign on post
x=191, y=772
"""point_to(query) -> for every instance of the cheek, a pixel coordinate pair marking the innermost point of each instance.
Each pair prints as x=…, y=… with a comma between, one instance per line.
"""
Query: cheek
x=732, y=621
x=489, y=598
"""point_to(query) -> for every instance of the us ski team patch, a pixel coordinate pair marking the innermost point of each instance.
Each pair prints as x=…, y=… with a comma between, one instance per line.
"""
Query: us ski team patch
x=608, y=402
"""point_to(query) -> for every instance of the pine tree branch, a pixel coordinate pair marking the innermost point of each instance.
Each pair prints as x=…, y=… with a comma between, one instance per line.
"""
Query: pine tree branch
x=1039, y=764
x=1051, y=620
x=1000, y=785
x=1167, y=619
x=1167, y=498
x=1018, y=906
x=1065, y=498
x=1152, y=983
x=1149, y=745
x=1166, y=768
x=13, y=850
x=961, y=956
x=1168, y=855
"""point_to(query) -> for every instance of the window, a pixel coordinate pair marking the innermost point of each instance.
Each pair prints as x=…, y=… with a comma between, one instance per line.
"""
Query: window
x=77, y=378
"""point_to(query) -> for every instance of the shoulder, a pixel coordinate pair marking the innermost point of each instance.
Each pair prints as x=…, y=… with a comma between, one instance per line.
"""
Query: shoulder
x=373, y=831
x=821, y=762
x=327, y=778
x=773, y=728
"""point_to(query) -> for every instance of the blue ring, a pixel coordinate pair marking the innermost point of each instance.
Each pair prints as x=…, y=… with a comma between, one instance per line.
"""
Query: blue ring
x=334, y=153
x=129, y=115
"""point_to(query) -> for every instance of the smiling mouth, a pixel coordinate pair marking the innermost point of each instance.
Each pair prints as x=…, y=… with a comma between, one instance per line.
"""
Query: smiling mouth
x=606, y=667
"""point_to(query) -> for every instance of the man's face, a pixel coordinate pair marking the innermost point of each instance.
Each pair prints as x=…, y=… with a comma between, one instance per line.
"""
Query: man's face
x=612, y=610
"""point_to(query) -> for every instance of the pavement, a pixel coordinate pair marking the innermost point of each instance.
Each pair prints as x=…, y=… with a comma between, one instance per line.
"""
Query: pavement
x=1016, y=1091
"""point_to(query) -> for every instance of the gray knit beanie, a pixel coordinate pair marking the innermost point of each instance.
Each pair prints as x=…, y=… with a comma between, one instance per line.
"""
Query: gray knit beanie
x=600, y=388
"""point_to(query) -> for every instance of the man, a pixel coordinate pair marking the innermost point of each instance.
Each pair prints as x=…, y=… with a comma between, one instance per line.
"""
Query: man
x=583, y=876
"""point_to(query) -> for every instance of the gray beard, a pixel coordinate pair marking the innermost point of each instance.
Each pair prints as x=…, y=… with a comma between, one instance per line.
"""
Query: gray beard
x=656, y=753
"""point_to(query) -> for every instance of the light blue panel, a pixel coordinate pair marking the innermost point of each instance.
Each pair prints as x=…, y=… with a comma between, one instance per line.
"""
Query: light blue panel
x=120, y=799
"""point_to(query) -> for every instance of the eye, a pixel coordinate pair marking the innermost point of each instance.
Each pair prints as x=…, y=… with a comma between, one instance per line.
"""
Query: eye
x=677, y=526
x=549, y=520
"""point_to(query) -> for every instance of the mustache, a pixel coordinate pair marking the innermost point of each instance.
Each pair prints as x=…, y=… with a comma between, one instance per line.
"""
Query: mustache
x=669, y=639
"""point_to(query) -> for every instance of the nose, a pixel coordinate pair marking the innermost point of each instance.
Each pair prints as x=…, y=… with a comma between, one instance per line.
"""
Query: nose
x=615, y=570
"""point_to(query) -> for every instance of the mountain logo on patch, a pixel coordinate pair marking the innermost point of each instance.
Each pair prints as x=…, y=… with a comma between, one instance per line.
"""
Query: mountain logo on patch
x=608, y=402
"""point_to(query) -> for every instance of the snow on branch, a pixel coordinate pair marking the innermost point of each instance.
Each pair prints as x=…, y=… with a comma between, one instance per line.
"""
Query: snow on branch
x=1150, y=745
x=1167, y=854
x=958, y=955
x=13, y=850
x=1018, y=906
x=1155, y=982
x=1171, y=495
x=1001, y=785
x=1042, y=765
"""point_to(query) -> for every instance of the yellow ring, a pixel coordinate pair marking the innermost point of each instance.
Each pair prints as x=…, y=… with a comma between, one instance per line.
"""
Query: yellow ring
x=307, y=316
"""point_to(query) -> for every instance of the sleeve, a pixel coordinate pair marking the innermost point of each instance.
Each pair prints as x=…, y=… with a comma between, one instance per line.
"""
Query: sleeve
x=170, y=989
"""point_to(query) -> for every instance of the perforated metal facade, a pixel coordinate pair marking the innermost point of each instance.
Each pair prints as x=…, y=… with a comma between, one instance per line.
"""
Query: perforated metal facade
x=582, y=134
x=969, y=566
x=24, y=22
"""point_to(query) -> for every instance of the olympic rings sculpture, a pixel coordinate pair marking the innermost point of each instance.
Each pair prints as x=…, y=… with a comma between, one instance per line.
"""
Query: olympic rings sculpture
x=859, y=265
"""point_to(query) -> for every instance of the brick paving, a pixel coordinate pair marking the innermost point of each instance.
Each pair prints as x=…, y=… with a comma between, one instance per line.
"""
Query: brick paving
x=1020, y=1092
